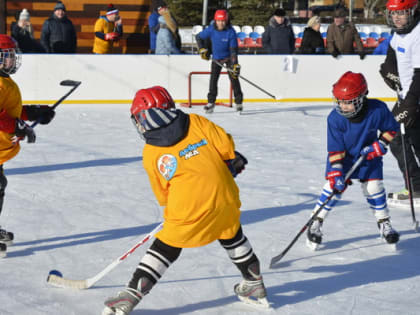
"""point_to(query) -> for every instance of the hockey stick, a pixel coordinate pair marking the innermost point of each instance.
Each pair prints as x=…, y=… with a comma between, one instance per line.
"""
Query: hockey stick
x=56, y=279
x=277, y=258
x=408, y=179
x=253, y=84
x=73, y=84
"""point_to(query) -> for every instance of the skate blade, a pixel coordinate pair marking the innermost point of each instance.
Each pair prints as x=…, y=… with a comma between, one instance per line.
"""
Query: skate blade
x=311, y=245
x=402, y=204
x=108, y=311
x=3, y=254
x=261, y=303
x=391, y=246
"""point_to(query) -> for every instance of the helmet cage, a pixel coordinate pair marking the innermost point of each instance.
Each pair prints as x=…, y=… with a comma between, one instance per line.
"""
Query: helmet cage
x=10, y=60
x=137, y=124
x=357, y=103
x=409, y=12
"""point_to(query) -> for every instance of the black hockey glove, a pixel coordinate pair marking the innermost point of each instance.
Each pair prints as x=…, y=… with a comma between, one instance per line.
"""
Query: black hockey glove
x=407, y=110
x=42, y=113
x=237, y=165
x=335, y=53
x=391, y=79
x=22, y=130
x=362, y=55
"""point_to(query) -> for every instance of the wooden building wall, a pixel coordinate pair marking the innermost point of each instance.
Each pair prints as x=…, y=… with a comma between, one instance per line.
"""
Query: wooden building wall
x=83, y=14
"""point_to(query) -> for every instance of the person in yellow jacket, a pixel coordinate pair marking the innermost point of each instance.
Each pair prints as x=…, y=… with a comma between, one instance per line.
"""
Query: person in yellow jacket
x=108, y=29
x=191, y=163
x=12, y=116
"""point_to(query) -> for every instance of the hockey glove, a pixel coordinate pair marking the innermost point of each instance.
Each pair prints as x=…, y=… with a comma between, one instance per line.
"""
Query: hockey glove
x=112, y=36
x=42, y=113
x=376, y=149
x=335, y=53
x=236, y=165
x=336, y=179
x=391, y=79
x=407, y=110
x=362, y=55
x=22, y=130
x=236, y=70
x=204, y=53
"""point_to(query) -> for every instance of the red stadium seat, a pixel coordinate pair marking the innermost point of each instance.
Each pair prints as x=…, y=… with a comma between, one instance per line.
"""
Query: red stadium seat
x=371, y=42
x=249, y=42
x=259, y=42
x=298, y=42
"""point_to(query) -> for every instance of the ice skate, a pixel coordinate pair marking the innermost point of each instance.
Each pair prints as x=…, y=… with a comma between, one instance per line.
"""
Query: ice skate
x=209, y=108
x=401, y=199
x=252, y=292
x=314, y=235
x=239, y=108
x=6, y=237
x=3, y=250
x=123, y=303
x=387, y=232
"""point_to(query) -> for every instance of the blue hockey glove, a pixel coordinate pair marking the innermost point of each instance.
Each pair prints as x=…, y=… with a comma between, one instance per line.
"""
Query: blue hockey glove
x=236, y=165
x=376, y=149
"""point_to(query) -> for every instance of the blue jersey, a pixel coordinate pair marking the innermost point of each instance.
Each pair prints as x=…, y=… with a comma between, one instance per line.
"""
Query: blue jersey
x=350, y=138
x=221, y=41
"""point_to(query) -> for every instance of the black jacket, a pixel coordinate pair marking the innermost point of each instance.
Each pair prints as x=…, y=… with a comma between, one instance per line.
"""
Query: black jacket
x=26, y=43
x=279, y=38
x=312, y=42
x=58, y=35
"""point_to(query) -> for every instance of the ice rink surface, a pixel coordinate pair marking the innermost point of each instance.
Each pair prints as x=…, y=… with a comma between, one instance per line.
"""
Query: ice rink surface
x=78, y=198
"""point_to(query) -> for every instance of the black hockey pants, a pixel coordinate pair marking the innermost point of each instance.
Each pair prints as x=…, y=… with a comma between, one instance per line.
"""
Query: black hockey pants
x=214, y=79
x=412, y=141
x=3, y=184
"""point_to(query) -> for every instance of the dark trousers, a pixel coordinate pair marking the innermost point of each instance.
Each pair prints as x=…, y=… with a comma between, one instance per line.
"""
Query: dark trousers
x=214, y=78
x=412, y=143
x=3, y=184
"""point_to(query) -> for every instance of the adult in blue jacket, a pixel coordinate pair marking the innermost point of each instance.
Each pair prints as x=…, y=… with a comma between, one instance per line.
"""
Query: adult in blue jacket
x=219, y=39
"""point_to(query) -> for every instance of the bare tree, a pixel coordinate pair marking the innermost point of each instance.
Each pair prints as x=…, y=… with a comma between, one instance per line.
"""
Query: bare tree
x=369, y=7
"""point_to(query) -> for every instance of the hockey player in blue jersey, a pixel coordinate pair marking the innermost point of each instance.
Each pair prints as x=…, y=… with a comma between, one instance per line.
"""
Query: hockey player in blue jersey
x=219, y=39
x=352, y=130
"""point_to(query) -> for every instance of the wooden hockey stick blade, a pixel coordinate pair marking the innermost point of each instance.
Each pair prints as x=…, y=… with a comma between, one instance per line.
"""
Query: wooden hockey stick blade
x=67, y=283
x=70, y=83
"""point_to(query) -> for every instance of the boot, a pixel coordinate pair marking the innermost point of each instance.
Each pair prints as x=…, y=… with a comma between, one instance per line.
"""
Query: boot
x=387, y=231
x=209, y=108
x=123, y=303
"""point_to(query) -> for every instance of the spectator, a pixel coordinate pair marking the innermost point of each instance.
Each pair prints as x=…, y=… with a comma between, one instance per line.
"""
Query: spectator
x=171, y=23
x=312, y=42
x=154, y=27
x=58, y=34
x=165, y=39
x=23, y=33
x=108, y=29
x=341, y=35
x=278, y=37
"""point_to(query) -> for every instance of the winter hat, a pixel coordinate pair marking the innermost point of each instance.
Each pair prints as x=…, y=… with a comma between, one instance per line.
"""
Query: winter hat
x=340, y=13
x=59, y=6
x=111, y=9
x=24, y=15
x=314, y=20
x=158, y=4
x=154, y=118
x=280, y=12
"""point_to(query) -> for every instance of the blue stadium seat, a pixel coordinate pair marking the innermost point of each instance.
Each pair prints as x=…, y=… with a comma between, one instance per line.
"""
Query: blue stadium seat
x=363, y=35
x=300, y=35
x=324, y=34
x=241, y=35
x=374, y=35
x=385, y=34
x=254, y=35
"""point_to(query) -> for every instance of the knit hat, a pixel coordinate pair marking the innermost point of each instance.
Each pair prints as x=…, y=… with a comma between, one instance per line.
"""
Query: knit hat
x=59, y=6
x=158, y=4
x=154, y=118
x=314, y=20
x=280, y=12
x=340, y=13
x=24, y=15
x=111, y=9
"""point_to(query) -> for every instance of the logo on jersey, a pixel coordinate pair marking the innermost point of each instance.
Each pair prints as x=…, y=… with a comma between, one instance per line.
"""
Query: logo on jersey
x=192, y=149
x=167, y=165
x=401, y=49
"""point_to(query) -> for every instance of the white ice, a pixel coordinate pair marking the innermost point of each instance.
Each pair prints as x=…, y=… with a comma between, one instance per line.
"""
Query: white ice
x=79, y=198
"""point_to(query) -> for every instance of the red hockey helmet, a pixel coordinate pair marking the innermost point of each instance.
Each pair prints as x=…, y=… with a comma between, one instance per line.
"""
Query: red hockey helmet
x=401, y=8
x=221, y=15
x=10, y=59
x=350, y=88
x=154, y=97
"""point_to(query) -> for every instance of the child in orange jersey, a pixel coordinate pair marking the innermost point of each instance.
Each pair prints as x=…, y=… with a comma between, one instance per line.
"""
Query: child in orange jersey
x=12, y=116
x=191, y=163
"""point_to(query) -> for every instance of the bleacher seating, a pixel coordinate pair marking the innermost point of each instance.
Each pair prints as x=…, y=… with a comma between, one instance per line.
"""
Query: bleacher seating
x=241, y=36
x=371, y=42
x=254, y=35
x=259, y=29
x=374, y=35
x=247, y=29
x=237, y=28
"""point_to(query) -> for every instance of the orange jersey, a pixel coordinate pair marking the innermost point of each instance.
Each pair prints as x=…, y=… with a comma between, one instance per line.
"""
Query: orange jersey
x=192, y=181
x=10, y=109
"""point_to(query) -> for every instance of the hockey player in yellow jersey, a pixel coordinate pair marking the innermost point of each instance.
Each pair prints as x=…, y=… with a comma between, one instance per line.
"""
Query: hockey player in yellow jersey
x=12, y=119
x=108, y=29
x=191, y=163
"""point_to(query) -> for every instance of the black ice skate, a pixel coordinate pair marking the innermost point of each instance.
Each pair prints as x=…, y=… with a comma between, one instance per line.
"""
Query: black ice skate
x=314, y=235
x=390, y=235
x=123, y=303
x=239, y=108
x=6, y=237
x=209, y=108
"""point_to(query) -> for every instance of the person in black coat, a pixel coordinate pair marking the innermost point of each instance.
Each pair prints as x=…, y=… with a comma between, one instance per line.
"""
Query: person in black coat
x=278, y=37
x=58, y=34
x=312, y=42
x=23, y=33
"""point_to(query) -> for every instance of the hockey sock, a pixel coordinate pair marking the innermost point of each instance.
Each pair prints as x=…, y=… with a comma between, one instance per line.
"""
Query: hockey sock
x=326, y=193
x=240, y=252
x=374, y=192
x=153, y=265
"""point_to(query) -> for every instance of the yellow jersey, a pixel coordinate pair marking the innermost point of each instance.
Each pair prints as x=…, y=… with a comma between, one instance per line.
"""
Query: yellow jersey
x=101, y=46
